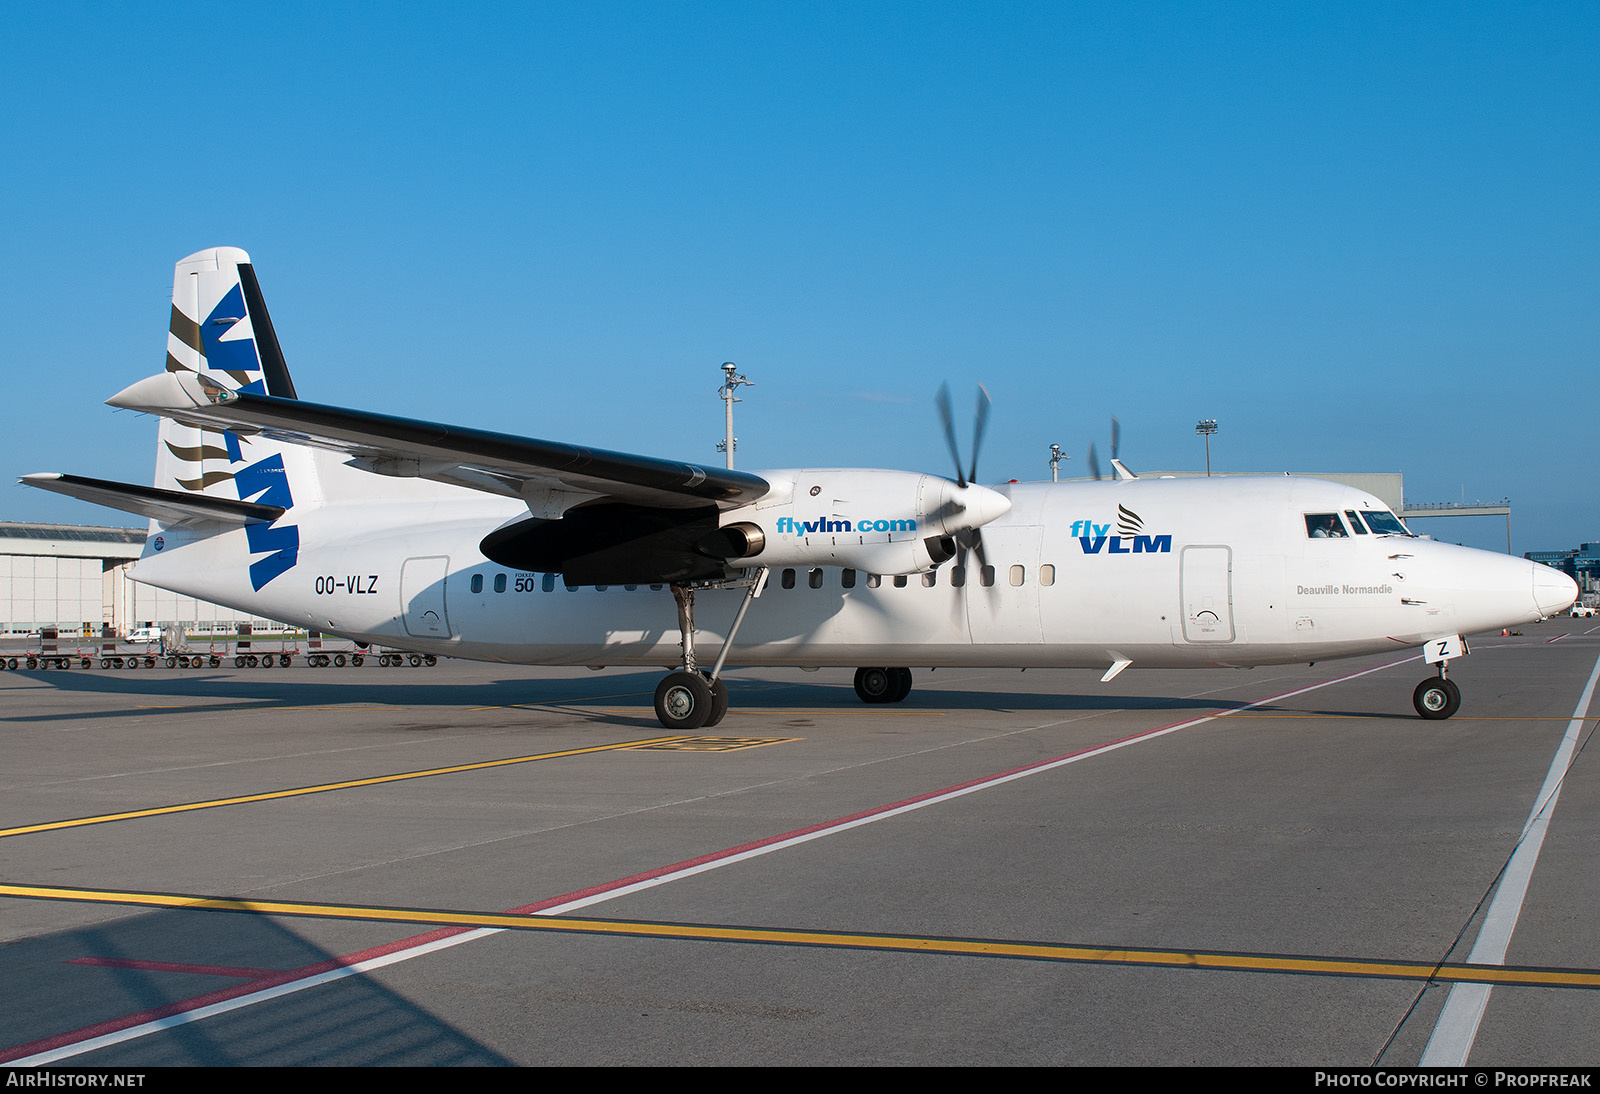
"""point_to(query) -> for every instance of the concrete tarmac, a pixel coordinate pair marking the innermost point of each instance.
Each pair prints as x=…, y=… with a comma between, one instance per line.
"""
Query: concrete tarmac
x=1273, y=866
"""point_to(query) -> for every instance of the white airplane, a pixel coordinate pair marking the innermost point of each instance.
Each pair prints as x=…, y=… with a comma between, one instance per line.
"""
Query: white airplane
x=466, y=543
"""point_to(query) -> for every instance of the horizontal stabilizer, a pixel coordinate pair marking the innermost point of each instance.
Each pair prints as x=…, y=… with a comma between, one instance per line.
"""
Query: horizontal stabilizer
x=168, y=506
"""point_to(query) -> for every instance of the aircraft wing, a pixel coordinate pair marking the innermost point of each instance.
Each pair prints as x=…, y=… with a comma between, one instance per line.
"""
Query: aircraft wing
x=169, y=506
x=550, y=476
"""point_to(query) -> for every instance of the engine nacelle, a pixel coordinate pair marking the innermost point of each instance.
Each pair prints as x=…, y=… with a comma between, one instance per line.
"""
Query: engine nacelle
x=883, y=522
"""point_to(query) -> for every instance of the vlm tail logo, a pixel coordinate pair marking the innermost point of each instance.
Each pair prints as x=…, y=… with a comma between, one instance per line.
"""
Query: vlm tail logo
x=1093, y=537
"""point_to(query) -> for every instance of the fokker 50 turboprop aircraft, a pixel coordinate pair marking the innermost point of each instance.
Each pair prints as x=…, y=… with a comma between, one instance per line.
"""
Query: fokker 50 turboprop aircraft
x=467, y=543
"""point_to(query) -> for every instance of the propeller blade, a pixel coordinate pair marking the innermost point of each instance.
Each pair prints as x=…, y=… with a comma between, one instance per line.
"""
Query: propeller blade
x=948, y=419
x=1094, y=462
x=984, y=402
x=1116, y=437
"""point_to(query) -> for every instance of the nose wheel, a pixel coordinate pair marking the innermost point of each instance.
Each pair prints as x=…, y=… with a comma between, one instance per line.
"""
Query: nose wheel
x=1436, y=698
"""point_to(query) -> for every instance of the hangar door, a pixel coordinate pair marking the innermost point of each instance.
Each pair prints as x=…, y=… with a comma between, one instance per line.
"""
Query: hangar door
x=1207, y=592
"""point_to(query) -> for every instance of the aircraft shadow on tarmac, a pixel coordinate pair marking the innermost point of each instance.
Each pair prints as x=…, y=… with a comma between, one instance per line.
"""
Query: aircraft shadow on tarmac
x=79, y=978
x=433, y=688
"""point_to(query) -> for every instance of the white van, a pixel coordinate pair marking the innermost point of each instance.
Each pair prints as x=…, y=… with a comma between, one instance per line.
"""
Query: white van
x=144, y=635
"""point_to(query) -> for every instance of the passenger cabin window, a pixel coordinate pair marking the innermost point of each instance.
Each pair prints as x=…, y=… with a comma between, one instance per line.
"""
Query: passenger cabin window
x=1018, y=575
x=477, y=583
x=1047, y=574
x=847, y=579
x=815, y=578
x=986, y=576
x=549, y=583
x=873, y=581
x=1325, y=526
x=788, y=579
x=899, y=581
x=499, y=583
x=958, y=576
x=930, y=579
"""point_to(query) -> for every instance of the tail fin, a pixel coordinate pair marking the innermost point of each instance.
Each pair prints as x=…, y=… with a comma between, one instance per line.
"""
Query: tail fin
x=220, y=326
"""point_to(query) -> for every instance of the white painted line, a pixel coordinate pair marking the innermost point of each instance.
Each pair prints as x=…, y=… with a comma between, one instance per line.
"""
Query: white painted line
x=1457, y=1028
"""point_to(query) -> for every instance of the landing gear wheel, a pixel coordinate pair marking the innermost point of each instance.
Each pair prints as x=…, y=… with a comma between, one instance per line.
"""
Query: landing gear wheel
x=1436, y=698
x=874, y=685
x=902, y=684
x=719, y=703
x=683, y=700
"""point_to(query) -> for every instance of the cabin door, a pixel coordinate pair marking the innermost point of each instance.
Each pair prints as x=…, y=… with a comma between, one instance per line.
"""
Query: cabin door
x=1208, y=594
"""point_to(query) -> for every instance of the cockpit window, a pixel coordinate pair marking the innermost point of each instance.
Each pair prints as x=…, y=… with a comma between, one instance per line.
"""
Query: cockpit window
x=1385, y=524
x=1325, y=526
x=1355, y=522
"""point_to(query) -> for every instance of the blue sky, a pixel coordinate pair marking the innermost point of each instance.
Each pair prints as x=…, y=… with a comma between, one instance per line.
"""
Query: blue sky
x=1361, y=236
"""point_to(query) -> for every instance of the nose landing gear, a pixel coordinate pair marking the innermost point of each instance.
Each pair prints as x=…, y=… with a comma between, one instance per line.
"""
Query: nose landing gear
x=1437, y=697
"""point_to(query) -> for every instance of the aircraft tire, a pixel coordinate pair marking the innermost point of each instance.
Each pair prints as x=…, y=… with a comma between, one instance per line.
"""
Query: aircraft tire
x=683, y=700
x=875, y=685
x=719, y=703
x=902, y=684
x=1436, y=699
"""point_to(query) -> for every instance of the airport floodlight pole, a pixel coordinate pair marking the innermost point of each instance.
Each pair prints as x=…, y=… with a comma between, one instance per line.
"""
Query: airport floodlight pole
x=1056, y=456
x=731, y=382
x=1205, y=428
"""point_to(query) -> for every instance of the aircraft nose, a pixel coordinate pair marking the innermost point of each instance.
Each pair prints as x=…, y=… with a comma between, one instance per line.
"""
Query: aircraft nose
x=1553, y=591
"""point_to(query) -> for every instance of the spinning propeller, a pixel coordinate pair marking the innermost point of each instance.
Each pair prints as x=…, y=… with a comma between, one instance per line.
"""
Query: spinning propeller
x=970, y=538
x=1117, y=470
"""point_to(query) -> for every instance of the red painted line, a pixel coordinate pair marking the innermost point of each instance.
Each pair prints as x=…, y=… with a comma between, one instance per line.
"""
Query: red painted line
x=174, y=966
x=275, y=979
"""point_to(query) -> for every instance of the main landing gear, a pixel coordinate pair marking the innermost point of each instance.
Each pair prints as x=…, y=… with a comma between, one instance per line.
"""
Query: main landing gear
x=692, y=698
x=874, y=685
x=1437, y=697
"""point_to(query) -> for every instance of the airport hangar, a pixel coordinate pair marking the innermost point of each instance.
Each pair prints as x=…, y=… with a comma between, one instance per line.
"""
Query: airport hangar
x=73, y=577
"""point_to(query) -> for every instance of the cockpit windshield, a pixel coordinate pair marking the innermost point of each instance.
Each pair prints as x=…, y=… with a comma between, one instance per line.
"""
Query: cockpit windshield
x=1385, y=523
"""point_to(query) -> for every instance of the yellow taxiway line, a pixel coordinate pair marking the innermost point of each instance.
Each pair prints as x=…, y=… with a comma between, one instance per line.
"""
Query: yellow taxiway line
x=1288, y=964
x=377, y=780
